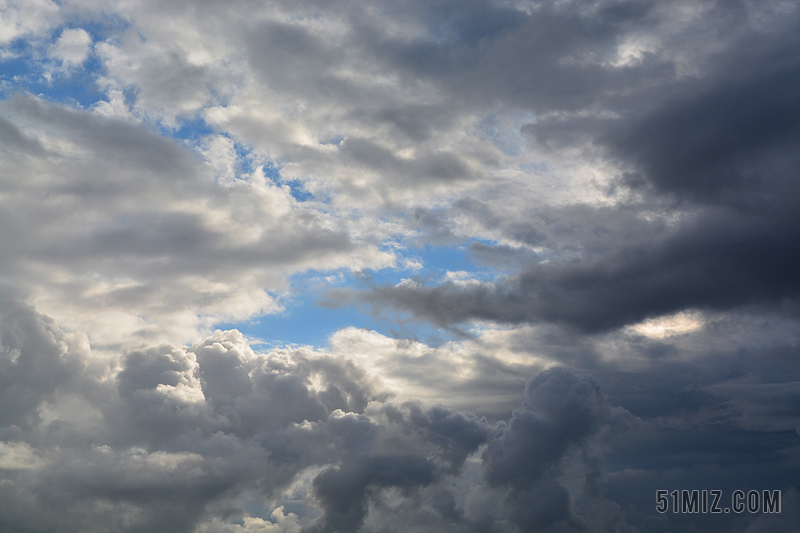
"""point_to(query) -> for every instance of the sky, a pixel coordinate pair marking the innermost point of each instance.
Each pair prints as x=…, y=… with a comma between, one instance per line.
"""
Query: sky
x=450, y=266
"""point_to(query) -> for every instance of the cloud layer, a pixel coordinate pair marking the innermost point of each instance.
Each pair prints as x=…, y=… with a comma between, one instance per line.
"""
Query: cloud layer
x=572, y=230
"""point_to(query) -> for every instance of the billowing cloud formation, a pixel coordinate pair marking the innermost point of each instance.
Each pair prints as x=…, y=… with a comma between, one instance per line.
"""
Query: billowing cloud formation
x=174, y=436
x=36, y=361
x=560, y=412
x=184, y=438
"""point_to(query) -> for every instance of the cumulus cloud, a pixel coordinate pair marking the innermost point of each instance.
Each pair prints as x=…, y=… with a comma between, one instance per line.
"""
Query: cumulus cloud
x=36, y=360
x=559, y=411
x=183, y=432
x=187, y=436
x=71, y=49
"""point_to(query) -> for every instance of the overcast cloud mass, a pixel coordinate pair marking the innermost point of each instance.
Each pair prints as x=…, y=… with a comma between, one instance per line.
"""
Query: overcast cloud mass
x=427, y=266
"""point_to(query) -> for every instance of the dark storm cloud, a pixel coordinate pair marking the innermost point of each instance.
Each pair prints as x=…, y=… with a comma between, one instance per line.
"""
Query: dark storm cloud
x=716, y=409
x=470, y=53
x=559, y=411
x=417, y=448
x=722, y=138
x=718, y=262
x=718, y=150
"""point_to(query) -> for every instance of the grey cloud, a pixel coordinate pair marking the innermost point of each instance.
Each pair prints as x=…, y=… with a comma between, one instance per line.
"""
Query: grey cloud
x=696, y=135
x=288, y=56
x=457, y=433
x=734, y=134
x=185, y=429
x=162, y=453
x=717, y=151
x=720, y=261
x=563, y=132
x=544, y=507
x=341, y=490
x=347, y=387
x=413, y=121
x=499, y=256
x=15, y=142
x=35, y=361
x=138, y=217
x=719, y=397
x=437, y=166
x=145, y=370
x=183, y=433
x=547, y=57
x=568, y=233
x=418, y=448
x=554, y=58
x=121, y=142
x=130, y=492
x=763, y=406
x=257, y=394
x=560, y=411
x=451, y=62
x=159, y=399
x=434, y=227
x=437, y=377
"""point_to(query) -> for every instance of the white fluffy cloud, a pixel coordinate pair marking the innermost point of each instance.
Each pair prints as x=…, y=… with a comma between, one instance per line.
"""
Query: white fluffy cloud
x=24, y=18
x=72, y=47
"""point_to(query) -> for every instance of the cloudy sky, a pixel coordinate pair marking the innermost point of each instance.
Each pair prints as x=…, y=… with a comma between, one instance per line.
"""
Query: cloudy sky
x=449, y=266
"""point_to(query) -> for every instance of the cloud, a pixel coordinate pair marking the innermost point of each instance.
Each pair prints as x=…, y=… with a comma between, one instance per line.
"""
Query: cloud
x=187, y=436
x=725, y=136
x=559, y=410
x=24, y=18
x=36, y=360
x=140, y=224
x=719, y=262
x=72, y=48
x=763, y=406
x=184, y=430
x=714, y=230
x=569, y=194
